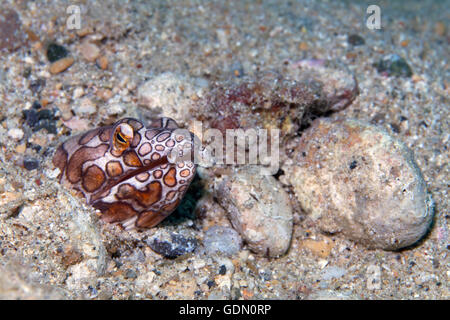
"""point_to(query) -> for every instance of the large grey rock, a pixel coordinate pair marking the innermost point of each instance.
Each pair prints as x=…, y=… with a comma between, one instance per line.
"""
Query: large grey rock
x=354, y=178
x=259, y=209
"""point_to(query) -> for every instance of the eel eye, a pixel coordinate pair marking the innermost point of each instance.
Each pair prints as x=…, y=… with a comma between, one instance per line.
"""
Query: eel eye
x=123, y=135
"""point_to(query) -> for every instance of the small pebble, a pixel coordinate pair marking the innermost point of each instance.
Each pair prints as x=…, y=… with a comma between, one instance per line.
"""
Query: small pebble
x=77, y=124
x=220, y=239
x=78, y=93
x=259, y=209
x=222, y=270
x=15, y=133
x=394, y=65
x=115, y=109
x=353, y=178
x=37, y=85
x=61, y=65
x=440, y=29
x=104, y=94
x=173, y=245
x=319, y=248
x=237, y=69
x=356, y=40
x=171, y=93
x=56, y=52
x=30, y=163
x=102, y=62
x=42, y=119
x=21, y=148
x=85, y=107
x=332, y=272
x=89, y=51
x=130, y=274
x=303, y=46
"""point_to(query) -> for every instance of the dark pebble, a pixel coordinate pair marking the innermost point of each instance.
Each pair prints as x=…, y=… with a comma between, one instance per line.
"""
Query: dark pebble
x=56, y=52
x=395, y=128
x=30, y=163
x=356, y=40
x=222, y=270
x=27, y=72
x=130, y=274
x=36, y=105
x=210, y=284
x=37, y=85
x=35, y=147
x=266, y=275
x=353, y=164
x=177, y=246
x=394, y=65
x=42, y=119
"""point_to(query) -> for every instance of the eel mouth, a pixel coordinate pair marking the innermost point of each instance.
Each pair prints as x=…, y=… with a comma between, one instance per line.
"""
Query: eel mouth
x=130, y=174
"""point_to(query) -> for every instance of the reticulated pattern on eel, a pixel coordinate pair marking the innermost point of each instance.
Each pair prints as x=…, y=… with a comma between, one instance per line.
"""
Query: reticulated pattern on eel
x=135, y=175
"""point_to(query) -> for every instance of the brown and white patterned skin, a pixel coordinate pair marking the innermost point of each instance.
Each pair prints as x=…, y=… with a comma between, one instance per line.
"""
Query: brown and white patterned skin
x=134, y=175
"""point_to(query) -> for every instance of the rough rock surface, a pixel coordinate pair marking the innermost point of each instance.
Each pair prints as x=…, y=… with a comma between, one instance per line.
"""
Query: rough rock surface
x=11, y=33
x=355, y=179
x=259, y=209
x=16, y=283
x=224, y=240
x=286, y=99
x=170, y=95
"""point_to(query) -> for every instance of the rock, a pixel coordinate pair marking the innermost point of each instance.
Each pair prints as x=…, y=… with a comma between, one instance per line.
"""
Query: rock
x=15, y=133
x=102, y=62
x=21, y=148
x=11, y=202
x=104, y=94
x=70, y=255
x=30, y=163
x=85, y=106
x=77, y=124
x=82, y=275
x=130, y=274
x=42, y=119
x=222, y=240
x=259, y=209
x=77, y=93
x=286, y=99
x=333, y=272
x=89, y=51
x=355, y=179
x=12, y=36
x=440, y=29
x=394, y=65
x=56, y=52
x=169, y=94
x=171, y=245
x=61, y=65
x=37, y=85
x=16, y=284
x=144, y=281
x=85, y=235
x=355, y=40
x=319, y=248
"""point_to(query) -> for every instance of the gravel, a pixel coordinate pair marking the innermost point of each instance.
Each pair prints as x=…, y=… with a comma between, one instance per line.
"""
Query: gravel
x=203, y=51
